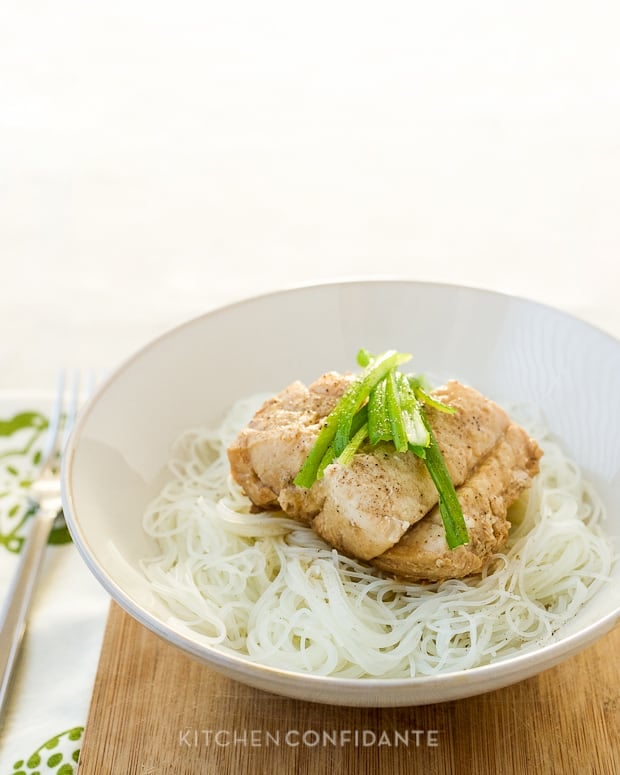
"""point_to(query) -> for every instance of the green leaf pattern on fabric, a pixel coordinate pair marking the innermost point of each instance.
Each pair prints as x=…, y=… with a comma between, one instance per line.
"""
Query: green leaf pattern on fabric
x=21, y=440
x=22, y=437
x=58, y=755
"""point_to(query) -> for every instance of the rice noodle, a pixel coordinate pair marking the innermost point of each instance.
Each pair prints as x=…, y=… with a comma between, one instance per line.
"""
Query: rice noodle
x=267, y=587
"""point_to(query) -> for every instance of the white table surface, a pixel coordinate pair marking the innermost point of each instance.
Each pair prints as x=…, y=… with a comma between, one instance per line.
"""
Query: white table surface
x=159, y=159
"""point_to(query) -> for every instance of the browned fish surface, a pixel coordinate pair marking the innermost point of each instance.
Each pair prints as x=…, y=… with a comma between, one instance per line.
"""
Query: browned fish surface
x=378, y=502
x=268, y=453
x=422, y=553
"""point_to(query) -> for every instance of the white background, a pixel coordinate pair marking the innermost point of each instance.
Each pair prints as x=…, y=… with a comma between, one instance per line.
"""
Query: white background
x=158, y=159
x=161, y=158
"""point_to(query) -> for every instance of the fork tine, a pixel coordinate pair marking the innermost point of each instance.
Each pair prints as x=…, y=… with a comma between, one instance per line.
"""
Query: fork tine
x=90, y=382
x=82, y=389
x=54, y=422
x=72, y=407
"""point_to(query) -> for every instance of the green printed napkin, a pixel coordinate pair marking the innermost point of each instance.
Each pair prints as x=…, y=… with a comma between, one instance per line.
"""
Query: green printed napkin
x=44, y=722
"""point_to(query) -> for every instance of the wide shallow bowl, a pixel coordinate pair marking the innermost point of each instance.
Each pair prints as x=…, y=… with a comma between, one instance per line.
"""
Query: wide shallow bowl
x=506, y=347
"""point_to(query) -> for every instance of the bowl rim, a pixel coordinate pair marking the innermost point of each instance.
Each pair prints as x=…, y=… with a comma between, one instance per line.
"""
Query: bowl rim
x=537, y=659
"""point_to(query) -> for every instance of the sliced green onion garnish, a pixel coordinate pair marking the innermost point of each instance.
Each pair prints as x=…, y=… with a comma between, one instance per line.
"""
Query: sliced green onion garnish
x=419, y=389
x=359, y=420
x=395, y=412
x=364, y=357
x=378, y=420
x=383, y=405
x=449, y=507
x=417, y=434
x=346, y=456
x=337, y=427
x=359, y=391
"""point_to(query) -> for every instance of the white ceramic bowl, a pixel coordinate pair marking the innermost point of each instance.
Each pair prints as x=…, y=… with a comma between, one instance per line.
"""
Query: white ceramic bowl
x=504, y=346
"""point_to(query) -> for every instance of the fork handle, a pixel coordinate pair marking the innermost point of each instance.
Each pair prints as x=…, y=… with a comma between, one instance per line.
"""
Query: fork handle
x=15, y=613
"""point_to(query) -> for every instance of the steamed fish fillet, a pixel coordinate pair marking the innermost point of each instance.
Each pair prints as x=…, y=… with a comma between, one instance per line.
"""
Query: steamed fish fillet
x=368, y=506
x=365, y=509
x=267, y=454
x=422, y=553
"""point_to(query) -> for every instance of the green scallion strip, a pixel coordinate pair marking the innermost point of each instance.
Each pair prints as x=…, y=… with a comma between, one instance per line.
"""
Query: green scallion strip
x=364, y=357
x=360, y=419
x=395, y=412
x=327, y=459
x=417, y=434
x=379, y=428
x=337, y=426
x=449, y=507
x=358, y=392
x=346, y=456
x=423, y=396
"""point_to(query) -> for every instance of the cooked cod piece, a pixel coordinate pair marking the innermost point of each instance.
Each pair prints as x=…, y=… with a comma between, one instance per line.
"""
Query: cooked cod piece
x=422, y=553
x=267, y=454
x=367, y=508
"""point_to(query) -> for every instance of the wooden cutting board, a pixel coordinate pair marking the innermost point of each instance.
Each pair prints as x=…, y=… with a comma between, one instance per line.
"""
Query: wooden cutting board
x=156, y=710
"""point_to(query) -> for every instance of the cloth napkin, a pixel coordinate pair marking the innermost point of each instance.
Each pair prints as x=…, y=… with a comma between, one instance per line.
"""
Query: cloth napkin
x=44, y=722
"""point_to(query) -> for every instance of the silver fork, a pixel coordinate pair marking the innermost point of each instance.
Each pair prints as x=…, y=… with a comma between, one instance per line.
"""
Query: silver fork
x=45, y=493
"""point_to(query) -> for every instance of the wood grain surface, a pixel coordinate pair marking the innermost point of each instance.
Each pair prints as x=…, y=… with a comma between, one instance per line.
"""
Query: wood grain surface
x=156, y=710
